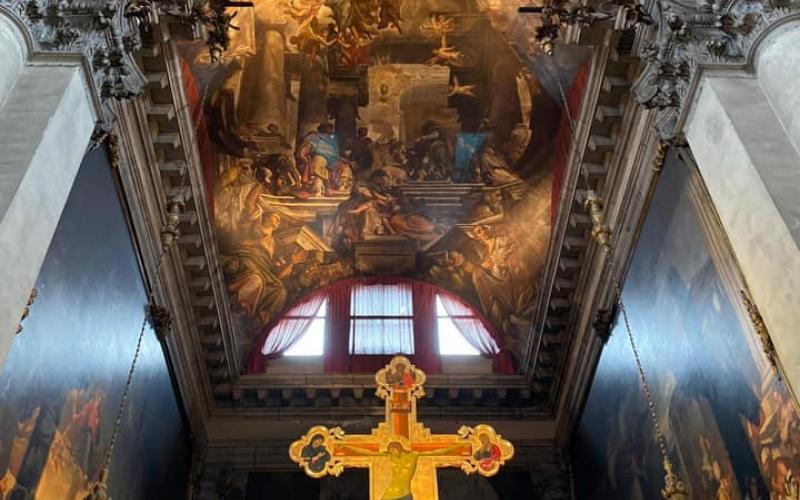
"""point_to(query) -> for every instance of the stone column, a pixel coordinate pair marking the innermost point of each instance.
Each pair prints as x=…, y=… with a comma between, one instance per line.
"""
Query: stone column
x=313, y=99
x=47, y=118
x=264, y=82
x=744, y=132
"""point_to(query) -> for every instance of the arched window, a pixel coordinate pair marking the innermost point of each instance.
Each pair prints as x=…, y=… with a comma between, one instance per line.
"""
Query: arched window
x=356, y=324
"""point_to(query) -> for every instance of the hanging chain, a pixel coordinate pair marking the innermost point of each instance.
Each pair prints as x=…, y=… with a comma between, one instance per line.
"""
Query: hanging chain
x=98, y=490
x=674, y=488
x=662, y=446
x=125, y=395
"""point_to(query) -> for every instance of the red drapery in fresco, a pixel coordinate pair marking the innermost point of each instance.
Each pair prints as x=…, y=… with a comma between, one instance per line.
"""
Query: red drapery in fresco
x=563, y=137
x=337, y=355
x=195, y=99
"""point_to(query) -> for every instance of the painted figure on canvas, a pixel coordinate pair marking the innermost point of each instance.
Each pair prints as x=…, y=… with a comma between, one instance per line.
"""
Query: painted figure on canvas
x=731, y=422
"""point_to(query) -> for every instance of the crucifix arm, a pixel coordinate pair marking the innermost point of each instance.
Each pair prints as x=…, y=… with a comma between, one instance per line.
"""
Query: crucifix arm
x=443, y=451
x=361, y=451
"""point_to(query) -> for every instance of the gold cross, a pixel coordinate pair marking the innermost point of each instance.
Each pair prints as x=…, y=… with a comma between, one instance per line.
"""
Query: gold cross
x=401, y=454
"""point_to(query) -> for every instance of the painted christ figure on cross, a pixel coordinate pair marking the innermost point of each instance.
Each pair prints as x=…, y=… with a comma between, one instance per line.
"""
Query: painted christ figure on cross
x=401, y=454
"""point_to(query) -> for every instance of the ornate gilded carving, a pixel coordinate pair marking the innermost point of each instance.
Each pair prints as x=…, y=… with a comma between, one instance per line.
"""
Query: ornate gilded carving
x=160, y=319
x=674, y=488
x=557, y=14
x=27, y=310
x=763, y=333
x=114, y=156
x=170, y=232
x=604, y=322
x=601, y=233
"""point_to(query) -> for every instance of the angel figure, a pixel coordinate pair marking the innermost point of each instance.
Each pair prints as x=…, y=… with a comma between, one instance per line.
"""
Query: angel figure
x=304, y=12
x=457, y=89
x=438, y=26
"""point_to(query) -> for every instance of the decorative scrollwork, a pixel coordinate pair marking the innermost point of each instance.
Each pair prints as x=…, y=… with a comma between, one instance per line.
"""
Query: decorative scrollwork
x=557, y=14
x=688, y=36
x=763, y=333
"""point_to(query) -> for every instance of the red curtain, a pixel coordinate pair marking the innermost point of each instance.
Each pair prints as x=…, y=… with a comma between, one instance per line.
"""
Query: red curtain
x=337, y=328
x=563, y=138
x=426, y=341
x=337, y=331
x=478, y=333
x=195, y=99
x=276, y=338
x=337, y=352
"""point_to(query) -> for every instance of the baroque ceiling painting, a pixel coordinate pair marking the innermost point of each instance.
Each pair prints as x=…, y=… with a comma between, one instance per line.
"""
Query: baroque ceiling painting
x=382, y=137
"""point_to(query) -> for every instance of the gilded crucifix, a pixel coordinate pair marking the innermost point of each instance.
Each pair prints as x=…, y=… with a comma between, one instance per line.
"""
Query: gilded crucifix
x=401, y=454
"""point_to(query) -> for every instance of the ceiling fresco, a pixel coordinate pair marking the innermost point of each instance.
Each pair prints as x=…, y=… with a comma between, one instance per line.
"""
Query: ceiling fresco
x=382, y=137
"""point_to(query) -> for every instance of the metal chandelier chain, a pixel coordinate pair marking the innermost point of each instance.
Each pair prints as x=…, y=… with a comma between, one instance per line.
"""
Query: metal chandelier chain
x=129, y=381
x=662, y=444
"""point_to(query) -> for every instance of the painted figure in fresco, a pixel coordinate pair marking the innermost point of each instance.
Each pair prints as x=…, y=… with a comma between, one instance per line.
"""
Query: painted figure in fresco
x=362, y=149
x=234, y=187
x=342, y=175
x=488, y=454
x=501, y=280
x=317, y=28
x=353, y=48
x=373, y=210
x=317, y=154
x=491, y=167
x=286, y=178
x=432, y=156
x=438, y=27
x=316, y=454
x=404, y=466
x=258, y=289
x=390, y=15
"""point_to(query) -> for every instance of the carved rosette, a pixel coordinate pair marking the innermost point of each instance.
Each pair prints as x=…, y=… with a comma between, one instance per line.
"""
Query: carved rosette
x=690, y=34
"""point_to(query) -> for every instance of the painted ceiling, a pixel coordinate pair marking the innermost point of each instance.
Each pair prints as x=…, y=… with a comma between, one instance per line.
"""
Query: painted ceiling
x=382, y=137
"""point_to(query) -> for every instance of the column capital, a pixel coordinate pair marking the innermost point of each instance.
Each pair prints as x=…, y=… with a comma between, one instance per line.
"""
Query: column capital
x=101, y=36
x=690, y=37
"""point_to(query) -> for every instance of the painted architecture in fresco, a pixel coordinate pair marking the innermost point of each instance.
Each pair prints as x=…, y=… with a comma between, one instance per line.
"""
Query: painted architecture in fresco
x=364, y=137
x=730, y=422
x=63, y=379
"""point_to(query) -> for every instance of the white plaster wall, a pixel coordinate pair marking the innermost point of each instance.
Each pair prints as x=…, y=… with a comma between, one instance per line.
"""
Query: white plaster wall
x=778, y=71
x=13, y=54
x=45, y=127
x=734, y=136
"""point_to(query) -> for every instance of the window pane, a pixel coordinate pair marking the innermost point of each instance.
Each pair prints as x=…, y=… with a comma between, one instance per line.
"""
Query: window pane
x=312, y=343
x=451, y=338
x=381, y=300
x=451, y=342
x=381, y=336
